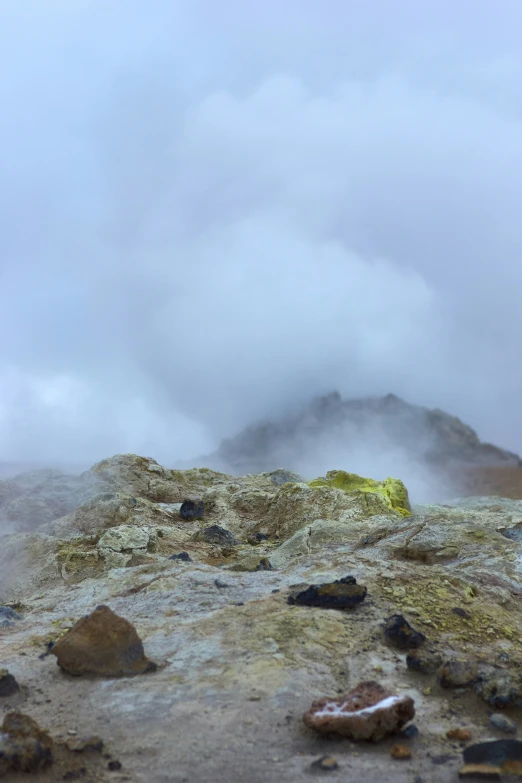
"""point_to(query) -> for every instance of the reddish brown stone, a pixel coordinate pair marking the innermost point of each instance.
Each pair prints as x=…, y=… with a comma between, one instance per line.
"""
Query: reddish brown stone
x=368, y=712
x=400, y=752
x=462, y=735
x=103, y=644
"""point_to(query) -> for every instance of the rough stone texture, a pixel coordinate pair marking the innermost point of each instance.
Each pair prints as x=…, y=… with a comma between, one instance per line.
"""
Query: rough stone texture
x=368, y=712
x=102, y=644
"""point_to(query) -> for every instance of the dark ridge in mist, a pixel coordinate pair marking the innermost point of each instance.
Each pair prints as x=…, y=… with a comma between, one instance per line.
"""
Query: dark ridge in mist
x=373, y=436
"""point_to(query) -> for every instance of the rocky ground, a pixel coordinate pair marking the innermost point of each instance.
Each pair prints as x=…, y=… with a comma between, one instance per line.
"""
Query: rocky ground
x=240, y=655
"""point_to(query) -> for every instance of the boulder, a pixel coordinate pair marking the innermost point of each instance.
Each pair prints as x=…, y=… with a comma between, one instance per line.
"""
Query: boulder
x=102, y=644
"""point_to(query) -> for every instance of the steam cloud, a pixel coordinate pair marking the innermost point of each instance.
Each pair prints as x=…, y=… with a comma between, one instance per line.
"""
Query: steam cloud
x=212, y=211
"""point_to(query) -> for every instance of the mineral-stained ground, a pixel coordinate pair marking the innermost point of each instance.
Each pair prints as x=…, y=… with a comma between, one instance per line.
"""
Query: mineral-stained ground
x=237, y=661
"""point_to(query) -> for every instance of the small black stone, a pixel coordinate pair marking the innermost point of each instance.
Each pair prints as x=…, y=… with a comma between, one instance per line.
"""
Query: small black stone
x=332, y=595
x=8, y=684
x=192, y=509
x=181, y=556
x=277, y=590
x=410, y=731
x=217, y=535
x=114, y=766
x=399, y=632
x=346, y=580
x=423, y=661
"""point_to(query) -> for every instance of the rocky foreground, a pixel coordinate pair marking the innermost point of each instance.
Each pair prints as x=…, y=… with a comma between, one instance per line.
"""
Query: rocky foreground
x=267, y=629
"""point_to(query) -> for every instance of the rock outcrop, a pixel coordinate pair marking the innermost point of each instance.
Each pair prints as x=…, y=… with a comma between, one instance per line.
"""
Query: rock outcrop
x=282, y=595
x=369, y=426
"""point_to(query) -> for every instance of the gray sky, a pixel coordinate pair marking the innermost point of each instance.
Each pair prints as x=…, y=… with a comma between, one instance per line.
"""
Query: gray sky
x=213, y=210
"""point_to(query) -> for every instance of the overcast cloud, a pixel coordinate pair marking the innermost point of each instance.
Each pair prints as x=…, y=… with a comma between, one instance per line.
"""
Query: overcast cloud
x=213, y=210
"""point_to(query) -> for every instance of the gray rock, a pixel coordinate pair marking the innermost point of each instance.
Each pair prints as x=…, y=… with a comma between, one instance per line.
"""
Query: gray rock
x=503, y=723
x=8, y=616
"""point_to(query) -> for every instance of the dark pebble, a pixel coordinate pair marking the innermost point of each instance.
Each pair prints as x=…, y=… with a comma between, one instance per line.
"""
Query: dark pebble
x=182, y=556
x=191, y=509
x=495, y=753
x=332, y=595
x=114, y=766
x=410, y=732
x=8, y=684
x=399, y=632
x=277, y=590
x=423, y=661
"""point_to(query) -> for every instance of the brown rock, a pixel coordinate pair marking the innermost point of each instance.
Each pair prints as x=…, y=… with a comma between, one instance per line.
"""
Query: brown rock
x=461, y=735
x=368, y=712
x=104, y=644
x=480, y=772
x=24, y=746
x=401, y=752
x=457, y=674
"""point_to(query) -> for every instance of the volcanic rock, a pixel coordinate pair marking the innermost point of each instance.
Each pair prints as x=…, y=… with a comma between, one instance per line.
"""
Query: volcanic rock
x=429, y=437
x=215, y=534
x=399, y=632
x=192, y=509
x=368, y=712
x=457, y=674
x=8, y=684
x=103, y=644
x=341, y=594
x=24, y=747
